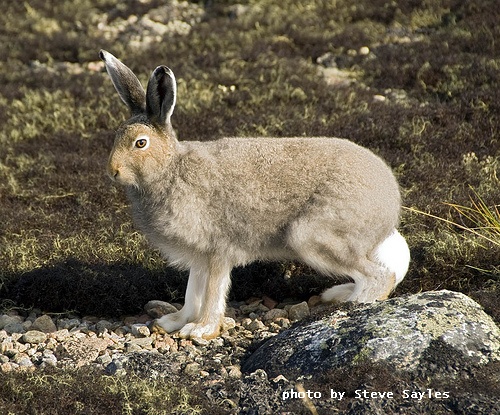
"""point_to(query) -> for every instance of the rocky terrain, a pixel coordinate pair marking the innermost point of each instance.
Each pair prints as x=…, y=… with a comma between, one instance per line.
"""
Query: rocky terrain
x=434, y=341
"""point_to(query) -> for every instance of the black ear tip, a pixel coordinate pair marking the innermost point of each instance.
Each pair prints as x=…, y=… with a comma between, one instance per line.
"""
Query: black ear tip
x=161, y=71
x=102, y=55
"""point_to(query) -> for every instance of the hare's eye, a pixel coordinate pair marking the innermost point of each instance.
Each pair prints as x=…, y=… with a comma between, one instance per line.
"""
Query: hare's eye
x=141, y=142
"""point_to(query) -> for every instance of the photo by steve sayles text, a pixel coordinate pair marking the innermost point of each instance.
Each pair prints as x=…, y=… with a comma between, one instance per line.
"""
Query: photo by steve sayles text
x=301, y=393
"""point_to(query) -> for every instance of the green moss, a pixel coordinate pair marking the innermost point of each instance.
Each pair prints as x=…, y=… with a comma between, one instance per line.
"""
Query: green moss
x=84, y=391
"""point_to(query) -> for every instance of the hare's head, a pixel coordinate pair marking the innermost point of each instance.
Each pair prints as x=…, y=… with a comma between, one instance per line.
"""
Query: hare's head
x=146, y=142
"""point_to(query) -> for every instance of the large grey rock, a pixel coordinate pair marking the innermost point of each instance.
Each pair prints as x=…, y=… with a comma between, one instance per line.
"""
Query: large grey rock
x=406, y=332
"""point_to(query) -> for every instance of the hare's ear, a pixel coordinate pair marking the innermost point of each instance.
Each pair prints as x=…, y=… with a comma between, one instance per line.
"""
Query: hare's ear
x=161, y=95
x=126, y=83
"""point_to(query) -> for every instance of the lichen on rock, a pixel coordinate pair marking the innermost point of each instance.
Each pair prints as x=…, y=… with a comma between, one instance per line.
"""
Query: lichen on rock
x=399, y=332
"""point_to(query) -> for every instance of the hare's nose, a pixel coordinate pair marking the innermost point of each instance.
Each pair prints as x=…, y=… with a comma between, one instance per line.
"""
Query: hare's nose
x=113, y=172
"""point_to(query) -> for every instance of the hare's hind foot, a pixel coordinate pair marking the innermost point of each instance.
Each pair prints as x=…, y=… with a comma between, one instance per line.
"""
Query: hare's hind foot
x=363, y=290
x=338, y=294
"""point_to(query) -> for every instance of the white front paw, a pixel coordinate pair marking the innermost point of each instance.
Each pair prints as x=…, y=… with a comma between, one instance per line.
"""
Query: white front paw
x=205, y=331
x=170, y=322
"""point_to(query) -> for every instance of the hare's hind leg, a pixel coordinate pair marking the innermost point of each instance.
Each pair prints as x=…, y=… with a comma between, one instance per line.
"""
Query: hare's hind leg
x=374, y=282
x=377, y=275
x=336, y=252
x=207, y=324
x=193, y=299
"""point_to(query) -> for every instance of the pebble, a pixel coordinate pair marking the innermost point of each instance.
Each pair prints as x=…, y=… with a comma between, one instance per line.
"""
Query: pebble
x=140, y=330
x=44, y=324
x=5, y=320
x=39, y=341
x=103, y=325
x=157, y=309
x=139, y=344
x=34, y=337
x=12, y=328
x=192, y=369
x=274, y=314
x=299, y=311
x=68, y=324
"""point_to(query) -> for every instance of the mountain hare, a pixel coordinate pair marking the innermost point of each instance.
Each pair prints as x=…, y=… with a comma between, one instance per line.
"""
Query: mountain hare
x=210, y=206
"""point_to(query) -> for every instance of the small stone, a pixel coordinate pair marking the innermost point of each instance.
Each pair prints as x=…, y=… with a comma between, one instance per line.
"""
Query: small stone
x=140, y=330
x=102, y=325
x=165, y=345
x=117, y=366
x=283, y=322
x=250, y=308
x=231, y=312
x=364, y=50
x=131, y=347
x=104, y=360
x=121, y=331
x=6, y=345
x=12, y=328
x=269, y=302
x=34, y=337
x=139, y=344
x=143, y=319
x=198, y=341
x=27, y=325
x=157, y=309
x=275, y=313
x=192, y=369
x=49, y=360
x=233, y=372
x=5, y=320
x=128, y=321
x=256, y=325
x=23, y=360
x=44, y=324
x=60, y=335
x=379, y=98
x=314, y=301
x=81, y=351
x=6, y=367
x=68, y=324
x=299, y=311
x=228, y=323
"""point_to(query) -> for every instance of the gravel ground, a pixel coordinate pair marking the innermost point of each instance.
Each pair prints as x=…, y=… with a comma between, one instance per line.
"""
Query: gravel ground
x=212, y=367
x=40, y=340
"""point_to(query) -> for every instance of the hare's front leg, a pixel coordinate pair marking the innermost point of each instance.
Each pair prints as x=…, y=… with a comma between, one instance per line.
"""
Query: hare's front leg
x=192, y=305
x=213, y=306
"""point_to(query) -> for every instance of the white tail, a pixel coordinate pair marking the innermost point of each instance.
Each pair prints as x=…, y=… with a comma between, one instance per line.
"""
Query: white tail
x=394, y=254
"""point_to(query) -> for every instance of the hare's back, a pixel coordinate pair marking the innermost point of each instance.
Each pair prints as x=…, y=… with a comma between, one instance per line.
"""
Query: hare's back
x=297, y=162
x=281, y=174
